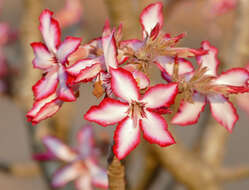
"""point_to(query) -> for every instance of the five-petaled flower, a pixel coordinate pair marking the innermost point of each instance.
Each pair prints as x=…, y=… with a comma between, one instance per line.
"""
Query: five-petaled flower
x=204, y=85
x=156, y=46
x=133, y=112
x=55, y=86
x=81, y=165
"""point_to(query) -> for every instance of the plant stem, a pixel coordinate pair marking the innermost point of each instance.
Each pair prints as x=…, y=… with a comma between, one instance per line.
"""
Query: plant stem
x=116, y=174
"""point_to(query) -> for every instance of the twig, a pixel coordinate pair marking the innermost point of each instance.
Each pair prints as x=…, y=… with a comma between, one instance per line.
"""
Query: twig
x=30, y=169
x=233, y=174
x=187, y=168
x=213, y=143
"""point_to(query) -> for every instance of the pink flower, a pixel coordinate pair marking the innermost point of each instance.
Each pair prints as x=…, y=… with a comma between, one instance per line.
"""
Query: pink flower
x=204, y=85
x=81, y=165
x=89, y=68
x=55, y=86
x=155, y=44
x=97, y=66
x=70, y=14
x=134, y=112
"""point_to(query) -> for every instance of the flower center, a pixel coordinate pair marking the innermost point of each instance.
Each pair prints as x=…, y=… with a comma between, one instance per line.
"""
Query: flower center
x=136, y=112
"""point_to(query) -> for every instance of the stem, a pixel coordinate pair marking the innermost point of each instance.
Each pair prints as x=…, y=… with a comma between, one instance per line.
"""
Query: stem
x=116, y=174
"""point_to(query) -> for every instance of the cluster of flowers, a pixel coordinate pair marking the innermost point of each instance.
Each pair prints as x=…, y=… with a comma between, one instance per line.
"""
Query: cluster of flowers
x=81, y=165
x=120, y=71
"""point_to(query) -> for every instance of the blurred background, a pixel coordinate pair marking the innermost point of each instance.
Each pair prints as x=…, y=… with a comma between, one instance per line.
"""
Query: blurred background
x=224, y=26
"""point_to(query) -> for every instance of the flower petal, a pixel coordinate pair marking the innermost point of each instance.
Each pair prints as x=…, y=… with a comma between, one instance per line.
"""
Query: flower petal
x=50, y=30
x=59, y=149
x=88, y=73
x=65, y=175
x=210, y=59
x=233, y=77
x=65, y=93
x=99, y=176
x=189, y=113
x=223, y=111
x=160, y=95
x=155, y=129
x=134, y=44
x=46, y=156
x=110, y=51
x=150, y=17
x=107, y=29
x=126, y=138
x=166, y=64
x=66, y=48
x=124, y=85
x=82, y=64
x=84, y=182
x=43, y=58
x=46, y=86
x=85, y=141
x=142, y=80
x=43, y=109
x=108, y=112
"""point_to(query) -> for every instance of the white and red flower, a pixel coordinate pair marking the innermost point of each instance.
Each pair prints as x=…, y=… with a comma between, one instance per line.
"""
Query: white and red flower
x=81, y=165
x=51, y=58
x=205, y=85
x=155, y=44
x=133, y=112
x=97, y=66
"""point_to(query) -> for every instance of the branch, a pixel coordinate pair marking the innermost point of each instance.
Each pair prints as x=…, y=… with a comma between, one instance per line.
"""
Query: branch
x=187, y=168
x=30, y=169
x=239, y=52
x=213, y=143
x=233, y=174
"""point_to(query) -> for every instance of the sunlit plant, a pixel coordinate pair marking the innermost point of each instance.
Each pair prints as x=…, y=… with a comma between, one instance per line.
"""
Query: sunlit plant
x=119, y=70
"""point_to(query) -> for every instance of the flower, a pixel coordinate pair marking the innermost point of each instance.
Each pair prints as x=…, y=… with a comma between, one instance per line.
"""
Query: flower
x=133, y=112
x=103, y=54
x=81, y=165
x=155, y=45
x=205, y=85
x=55, y=86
